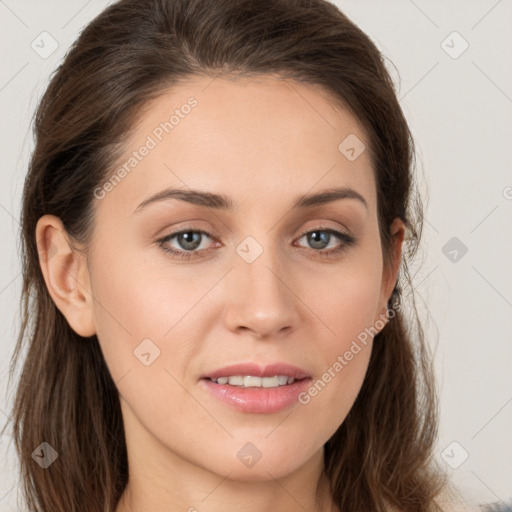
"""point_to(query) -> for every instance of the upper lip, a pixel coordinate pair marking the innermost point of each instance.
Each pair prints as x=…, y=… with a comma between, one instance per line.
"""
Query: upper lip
x=258, y=370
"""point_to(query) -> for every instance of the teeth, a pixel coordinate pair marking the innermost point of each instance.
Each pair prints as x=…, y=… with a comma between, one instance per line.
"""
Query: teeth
x=270, y=382
x=249, y=381
x=283, y=380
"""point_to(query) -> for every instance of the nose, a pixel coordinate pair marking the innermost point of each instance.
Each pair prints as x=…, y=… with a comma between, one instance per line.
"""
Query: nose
x=260, y=299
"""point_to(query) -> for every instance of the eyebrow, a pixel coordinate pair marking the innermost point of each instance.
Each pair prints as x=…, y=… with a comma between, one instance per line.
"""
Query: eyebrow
x=223, y=202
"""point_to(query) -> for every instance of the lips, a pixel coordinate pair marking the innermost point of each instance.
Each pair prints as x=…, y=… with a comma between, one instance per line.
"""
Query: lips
x=256, y=400
x=256, y=370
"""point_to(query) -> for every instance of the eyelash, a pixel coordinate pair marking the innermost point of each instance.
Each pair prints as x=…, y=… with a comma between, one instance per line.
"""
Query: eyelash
x=347, y=241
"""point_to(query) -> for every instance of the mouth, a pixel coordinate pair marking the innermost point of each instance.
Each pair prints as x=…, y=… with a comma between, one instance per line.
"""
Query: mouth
x=252, y=381
x=251, y=388
x=251, y=374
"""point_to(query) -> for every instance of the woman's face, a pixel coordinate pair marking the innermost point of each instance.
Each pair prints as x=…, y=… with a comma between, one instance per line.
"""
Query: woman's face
x=261, y=278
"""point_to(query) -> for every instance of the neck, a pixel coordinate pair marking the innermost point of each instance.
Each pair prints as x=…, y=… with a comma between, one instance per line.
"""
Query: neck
x=161, y=480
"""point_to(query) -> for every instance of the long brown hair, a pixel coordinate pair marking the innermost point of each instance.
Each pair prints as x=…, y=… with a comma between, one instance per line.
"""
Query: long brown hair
x=382, y=454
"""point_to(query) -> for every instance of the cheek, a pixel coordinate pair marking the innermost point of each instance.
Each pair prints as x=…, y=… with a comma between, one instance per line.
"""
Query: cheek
x=139, y=309
x=347, y=303
x=345, y=297
x=146, y=320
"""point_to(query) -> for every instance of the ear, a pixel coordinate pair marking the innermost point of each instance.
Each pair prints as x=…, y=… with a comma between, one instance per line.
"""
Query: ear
x=390, y=273
x=66, y=275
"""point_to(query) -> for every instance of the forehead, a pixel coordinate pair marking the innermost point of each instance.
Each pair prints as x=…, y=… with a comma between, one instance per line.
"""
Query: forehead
x=259, y=137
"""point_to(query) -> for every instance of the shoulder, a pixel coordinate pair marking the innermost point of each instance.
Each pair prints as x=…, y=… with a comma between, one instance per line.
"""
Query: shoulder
x=453, y=499
x=450, y=499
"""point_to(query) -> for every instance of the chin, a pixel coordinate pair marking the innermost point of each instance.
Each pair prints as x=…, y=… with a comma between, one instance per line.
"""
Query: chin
x=260, y=472
x=251, y=464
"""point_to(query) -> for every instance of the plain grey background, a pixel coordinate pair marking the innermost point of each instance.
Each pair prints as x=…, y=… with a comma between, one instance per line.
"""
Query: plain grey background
x=453, y=63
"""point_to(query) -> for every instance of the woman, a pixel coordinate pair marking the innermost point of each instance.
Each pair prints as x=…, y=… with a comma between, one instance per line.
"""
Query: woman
x=215, y=264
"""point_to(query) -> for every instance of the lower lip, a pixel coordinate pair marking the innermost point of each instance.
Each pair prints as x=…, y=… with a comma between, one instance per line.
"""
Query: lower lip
x=258, y=400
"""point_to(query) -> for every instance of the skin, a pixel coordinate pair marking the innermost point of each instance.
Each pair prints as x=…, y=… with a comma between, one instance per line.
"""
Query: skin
x=262, y=142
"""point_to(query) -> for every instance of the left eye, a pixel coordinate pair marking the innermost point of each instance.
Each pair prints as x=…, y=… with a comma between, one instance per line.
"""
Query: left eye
x=319, y=237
